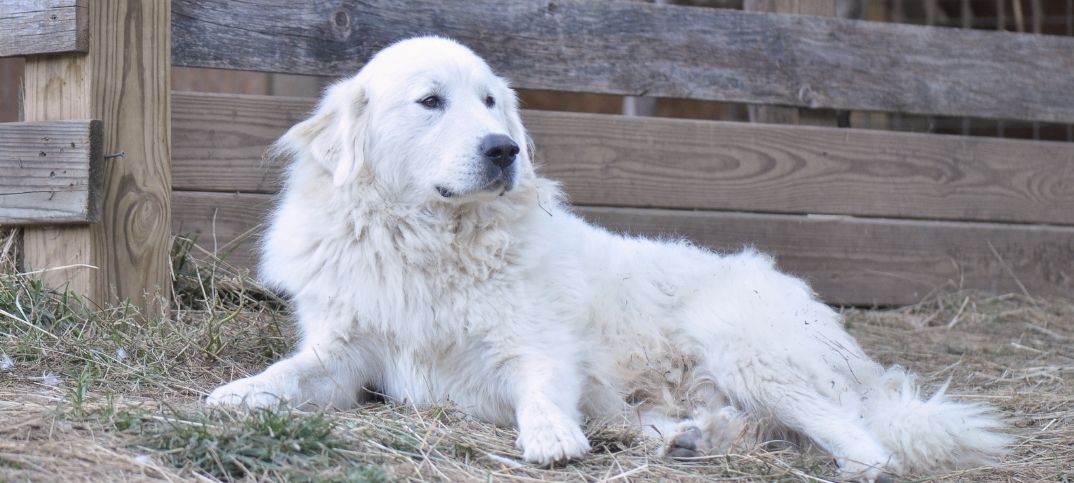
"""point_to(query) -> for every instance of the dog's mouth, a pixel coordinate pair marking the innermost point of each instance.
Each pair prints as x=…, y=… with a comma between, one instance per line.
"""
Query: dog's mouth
x=500, y=185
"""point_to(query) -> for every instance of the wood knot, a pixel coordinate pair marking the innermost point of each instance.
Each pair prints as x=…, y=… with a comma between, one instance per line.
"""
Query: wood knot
x=806, y=95
x=341, y=20
x=341, y=24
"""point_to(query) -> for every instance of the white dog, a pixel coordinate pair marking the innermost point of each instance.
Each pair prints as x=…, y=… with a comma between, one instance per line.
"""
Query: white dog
x=428, y=262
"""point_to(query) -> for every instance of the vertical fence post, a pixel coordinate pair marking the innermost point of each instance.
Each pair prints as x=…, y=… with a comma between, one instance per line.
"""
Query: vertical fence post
x=124, y=82
x=637, y=105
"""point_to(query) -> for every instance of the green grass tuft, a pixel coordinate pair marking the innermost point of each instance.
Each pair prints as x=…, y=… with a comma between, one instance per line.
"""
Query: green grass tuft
x=261, y=443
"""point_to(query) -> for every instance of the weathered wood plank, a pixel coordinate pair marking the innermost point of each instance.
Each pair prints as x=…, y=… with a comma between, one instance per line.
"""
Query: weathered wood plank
x=647, y=162
x=780, y=114
x=32, y=27
x=851, y=261
x=50, y=172
x=634, y=48
x=823, y=8
x=214, y=134
x=862, y=261
x=123, y=81
x=227, y=224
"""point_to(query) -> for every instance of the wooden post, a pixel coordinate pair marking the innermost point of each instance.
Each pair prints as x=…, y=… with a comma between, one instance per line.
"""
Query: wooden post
x=1070, y=31
x=965, y=13
x=641, y=106
x=779, y=114
x=124, y=82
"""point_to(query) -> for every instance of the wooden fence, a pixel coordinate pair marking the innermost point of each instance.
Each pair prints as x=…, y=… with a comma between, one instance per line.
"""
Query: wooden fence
x=870, y=217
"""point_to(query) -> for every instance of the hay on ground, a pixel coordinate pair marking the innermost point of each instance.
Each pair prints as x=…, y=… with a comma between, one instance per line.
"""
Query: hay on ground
x=90, y=394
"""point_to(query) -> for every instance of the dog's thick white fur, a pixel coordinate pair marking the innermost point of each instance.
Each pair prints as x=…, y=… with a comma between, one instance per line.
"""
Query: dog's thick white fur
x=419, y=270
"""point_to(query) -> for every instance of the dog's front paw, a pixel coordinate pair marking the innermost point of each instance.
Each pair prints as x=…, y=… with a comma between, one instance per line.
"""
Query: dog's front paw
x=552, y=443
x=545, y=436
x=864, y=473
x=250, y=392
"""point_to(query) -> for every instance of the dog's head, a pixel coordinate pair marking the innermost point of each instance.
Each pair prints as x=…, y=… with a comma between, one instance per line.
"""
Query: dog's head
x=426, y=119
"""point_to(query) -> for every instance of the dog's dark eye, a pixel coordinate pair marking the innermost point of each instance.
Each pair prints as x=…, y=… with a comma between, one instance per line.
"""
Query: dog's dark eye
x=432, y=102
x=489, y=101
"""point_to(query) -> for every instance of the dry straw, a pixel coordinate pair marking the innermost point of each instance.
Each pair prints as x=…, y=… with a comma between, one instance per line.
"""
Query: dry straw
x=97, y=394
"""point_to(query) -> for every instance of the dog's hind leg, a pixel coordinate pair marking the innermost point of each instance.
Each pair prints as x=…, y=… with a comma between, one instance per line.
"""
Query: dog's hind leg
x=791, y=397
x=857, y=452
x=782, y=356
x=704, y=432
x=800, y=391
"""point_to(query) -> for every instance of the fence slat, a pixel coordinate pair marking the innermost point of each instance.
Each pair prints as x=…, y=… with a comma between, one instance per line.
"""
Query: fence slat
x=848, y=260
x=31, y=27
x=216, y=135
x=124, y=81
x=641, y=49
x=50, y=172
x=648, y=162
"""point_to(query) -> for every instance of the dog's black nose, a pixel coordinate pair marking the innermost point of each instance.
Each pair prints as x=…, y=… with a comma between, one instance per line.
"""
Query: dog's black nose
x=499, y=150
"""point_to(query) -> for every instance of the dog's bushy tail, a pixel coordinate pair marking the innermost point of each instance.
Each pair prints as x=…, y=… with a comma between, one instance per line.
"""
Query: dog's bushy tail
x=934, y=433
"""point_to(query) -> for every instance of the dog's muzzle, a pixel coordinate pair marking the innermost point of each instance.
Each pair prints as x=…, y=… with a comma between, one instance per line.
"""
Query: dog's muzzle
x=498, y=153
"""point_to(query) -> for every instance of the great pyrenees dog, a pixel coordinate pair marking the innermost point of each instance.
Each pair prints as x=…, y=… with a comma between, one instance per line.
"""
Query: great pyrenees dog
x=428, y=262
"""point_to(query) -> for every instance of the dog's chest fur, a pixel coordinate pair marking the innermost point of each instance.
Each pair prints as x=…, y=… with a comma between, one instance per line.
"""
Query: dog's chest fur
x=409, y=271
x=418, y=283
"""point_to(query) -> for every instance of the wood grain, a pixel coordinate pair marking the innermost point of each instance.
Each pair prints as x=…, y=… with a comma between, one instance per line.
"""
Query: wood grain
x=640, y=49
x=124, y=82
x=226, y=224
x=50, y=172
x=214, y=134
x=32, y=27
x=850, y=261
x=823, y=8
x=683, y=164
x=859, y=261
x=56, y=88
x=780, y=114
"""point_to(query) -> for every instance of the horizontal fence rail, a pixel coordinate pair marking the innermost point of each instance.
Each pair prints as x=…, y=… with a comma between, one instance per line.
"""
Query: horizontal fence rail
x=680, y=164
x=634, y=48
x=606, y=160
x=848, y=260
x=31, y=27
x=50, y=172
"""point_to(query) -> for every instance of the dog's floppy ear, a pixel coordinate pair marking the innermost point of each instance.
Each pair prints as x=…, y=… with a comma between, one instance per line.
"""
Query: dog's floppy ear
x=335, y=135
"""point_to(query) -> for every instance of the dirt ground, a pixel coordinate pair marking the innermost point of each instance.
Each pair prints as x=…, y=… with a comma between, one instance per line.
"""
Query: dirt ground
x=90, y=394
